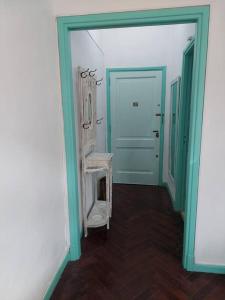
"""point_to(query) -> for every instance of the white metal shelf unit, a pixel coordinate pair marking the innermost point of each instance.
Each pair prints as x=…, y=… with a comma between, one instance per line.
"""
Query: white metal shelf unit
x=101, y=210
x=91, y=162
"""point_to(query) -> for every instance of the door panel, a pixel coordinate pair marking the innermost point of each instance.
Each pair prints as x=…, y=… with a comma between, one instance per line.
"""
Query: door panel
x=135, y=108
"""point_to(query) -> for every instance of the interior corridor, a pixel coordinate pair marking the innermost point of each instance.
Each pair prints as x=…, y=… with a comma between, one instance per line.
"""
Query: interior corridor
x=139, y=257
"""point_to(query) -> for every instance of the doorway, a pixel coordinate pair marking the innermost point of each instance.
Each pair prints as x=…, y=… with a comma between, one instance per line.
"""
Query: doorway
x=135, y=123
x=199, y=15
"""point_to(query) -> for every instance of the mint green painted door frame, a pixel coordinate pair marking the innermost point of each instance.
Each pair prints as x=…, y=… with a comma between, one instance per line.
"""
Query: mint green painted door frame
x=174, y=103
x=198, y=14
x=182, y=123
x=109, y=137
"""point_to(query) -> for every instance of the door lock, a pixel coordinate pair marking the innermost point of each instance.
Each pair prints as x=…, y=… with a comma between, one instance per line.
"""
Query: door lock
x=160, y=115
x=156, y=133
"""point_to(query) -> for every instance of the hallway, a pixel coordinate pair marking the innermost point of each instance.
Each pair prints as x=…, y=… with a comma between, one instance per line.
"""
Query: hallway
x=139, y=258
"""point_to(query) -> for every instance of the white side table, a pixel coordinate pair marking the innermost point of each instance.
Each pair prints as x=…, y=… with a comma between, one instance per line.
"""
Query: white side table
x=101, y=211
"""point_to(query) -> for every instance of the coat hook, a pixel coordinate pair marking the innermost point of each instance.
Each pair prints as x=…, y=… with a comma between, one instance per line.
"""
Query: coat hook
x=86, y=125
x=92, y=71
x=82, y=74
x=99, y=121
x=98, y=82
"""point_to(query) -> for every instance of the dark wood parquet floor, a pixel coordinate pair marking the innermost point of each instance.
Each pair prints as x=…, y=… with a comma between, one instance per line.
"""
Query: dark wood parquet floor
x=139, y=258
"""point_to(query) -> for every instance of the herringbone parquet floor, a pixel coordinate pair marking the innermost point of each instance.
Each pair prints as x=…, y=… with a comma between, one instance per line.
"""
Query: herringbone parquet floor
x=139, y=257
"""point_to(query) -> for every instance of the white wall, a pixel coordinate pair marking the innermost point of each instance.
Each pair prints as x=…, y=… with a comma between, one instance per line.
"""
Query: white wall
x=86, y=52
x=152, y=46
x=210, y=237
x=33, y=205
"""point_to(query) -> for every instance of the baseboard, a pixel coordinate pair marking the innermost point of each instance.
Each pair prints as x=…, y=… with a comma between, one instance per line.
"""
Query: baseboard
x=217, y=269
x=165, y=184
x=57, y=277
x=175, y=207
x=190, y=265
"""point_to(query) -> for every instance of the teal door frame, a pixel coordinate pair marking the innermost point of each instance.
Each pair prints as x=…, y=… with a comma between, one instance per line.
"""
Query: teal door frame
x=183, y=120
x=197, y=14
x=163, y=95
x=173, y=152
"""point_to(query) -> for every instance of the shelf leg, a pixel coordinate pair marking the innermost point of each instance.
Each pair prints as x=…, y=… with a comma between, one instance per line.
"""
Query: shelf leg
x=96, y=188
x=84, y=187
x=110, y=190
x=107, y=196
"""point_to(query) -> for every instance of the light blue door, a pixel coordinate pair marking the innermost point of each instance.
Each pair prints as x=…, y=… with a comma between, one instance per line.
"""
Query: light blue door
x=135, y=98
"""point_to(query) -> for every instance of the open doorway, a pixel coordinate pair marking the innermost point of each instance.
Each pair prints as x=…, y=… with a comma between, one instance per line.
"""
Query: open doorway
x=194, y=15
x=138, y=103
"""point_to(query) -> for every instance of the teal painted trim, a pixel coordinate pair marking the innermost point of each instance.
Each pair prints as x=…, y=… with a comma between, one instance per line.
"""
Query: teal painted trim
x=174, y=100
x=57, y=277
x=196, y=118
x=173, y=177
x=217, y=269
x=163, y=95
x=197, y=14
x=162, y=125
x=139, y=69
x=70, y=140
x=180, y=166
x=109, y=137
x=163, y=16
x=188, y=48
